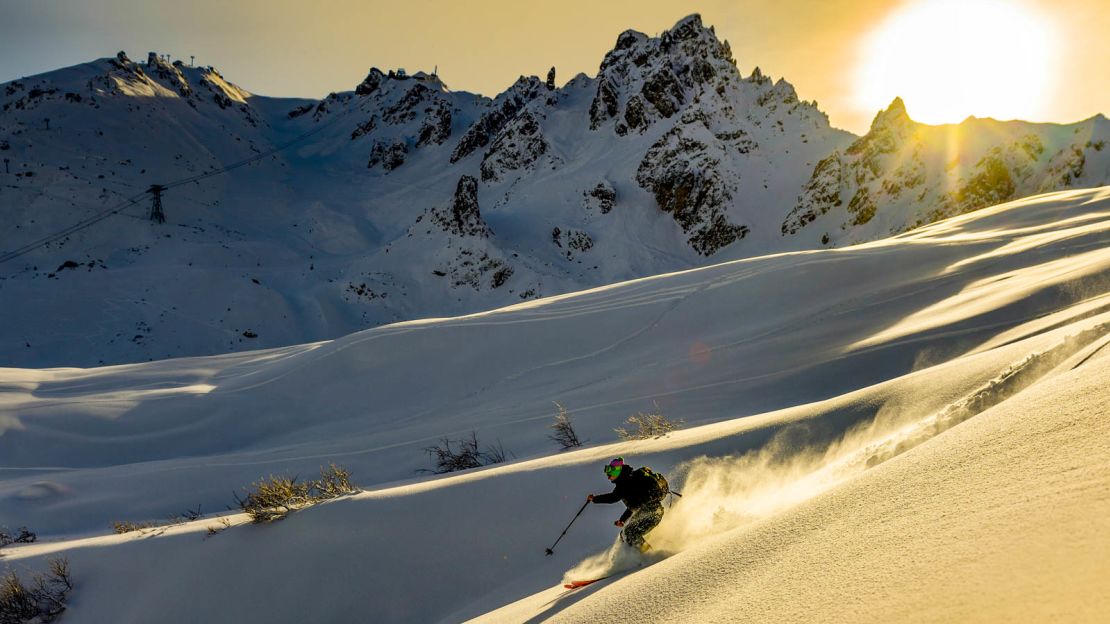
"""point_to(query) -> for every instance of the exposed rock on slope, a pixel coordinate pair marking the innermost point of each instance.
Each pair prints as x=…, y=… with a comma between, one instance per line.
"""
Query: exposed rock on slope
x=501, y=111
x=645, y=79
x=704, y=163
x=903, y=174
x=463, y=218
x=520, y=145
x=682, y=172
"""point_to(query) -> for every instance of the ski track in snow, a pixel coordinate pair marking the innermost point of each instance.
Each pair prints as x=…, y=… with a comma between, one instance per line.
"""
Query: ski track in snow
x=777, y=506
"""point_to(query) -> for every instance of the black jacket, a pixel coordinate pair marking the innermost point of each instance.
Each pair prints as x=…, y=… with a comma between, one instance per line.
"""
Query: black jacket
x=631, y=491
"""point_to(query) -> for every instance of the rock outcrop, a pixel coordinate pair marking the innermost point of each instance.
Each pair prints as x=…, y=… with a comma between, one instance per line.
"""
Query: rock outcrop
x=913, y=174
x=501, y=112
x=681, y=170
x=645, y=79
x=389, y=155
x=601, y=197
x=463, y=217
x=520, y=145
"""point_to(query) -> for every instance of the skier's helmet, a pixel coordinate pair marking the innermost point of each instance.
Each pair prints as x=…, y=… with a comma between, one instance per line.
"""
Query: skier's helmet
x=613, y=468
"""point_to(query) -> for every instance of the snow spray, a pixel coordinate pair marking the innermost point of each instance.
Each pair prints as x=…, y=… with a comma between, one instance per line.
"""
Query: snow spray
x=725, y=493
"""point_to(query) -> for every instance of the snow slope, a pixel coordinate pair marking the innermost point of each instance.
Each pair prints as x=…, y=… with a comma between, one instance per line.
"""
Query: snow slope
x=908, y=429
x=1002, y=519
x=404, y=199
x=354, y=224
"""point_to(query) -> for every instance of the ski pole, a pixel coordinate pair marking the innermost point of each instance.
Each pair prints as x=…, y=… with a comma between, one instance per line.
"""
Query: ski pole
x=550, y=551
x=673, y=494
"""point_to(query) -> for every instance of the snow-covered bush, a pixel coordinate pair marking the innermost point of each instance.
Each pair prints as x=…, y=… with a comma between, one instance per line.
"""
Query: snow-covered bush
x=22, y=536
x=275, y=498
x=41, y=601
x=647, y=426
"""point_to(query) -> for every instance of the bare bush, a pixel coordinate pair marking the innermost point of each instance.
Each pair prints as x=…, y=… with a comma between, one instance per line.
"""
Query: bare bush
x=465, y=453
x=275, y=498
x=495, y=454
x=126, y=526
x=565, y=435
x=189, y=515
x=334, y=481
x=41, y=601
x=647, y=426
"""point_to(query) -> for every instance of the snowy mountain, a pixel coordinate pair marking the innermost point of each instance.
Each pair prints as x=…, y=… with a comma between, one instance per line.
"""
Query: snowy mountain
x=291, y=221
x=912, y=428
x=903, y=174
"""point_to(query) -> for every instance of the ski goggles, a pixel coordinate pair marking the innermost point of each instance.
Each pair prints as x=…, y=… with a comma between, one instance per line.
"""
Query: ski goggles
x=613, y=468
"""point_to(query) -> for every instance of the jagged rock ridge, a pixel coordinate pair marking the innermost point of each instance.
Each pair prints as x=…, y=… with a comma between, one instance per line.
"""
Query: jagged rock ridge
x=903, y=174
x=362, y=207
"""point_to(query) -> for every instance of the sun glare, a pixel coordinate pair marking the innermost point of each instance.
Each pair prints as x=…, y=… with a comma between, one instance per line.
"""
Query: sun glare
x=948, y=59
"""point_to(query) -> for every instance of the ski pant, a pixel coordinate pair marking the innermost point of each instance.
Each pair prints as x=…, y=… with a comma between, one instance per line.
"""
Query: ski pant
x=643, y=520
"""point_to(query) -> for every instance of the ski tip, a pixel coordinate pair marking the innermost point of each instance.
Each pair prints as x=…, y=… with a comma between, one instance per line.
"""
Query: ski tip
x=577, y=584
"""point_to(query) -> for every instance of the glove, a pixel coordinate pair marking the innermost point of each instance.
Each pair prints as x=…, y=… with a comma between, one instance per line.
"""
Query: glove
x=619, y=523
x=589, y=498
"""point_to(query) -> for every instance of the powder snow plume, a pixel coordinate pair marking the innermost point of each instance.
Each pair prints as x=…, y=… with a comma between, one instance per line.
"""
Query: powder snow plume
x=720, y=494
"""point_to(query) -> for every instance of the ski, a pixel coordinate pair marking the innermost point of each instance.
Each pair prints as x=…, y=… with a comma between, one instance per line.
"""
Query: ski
x=577, y=584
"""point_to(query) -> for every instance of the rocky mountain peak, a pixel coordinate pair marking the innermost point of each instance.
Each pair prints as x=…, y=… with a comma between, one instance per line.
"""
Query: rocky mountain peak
x=153, y=59
x=690, y=27
x=502, y=110
x=371, y=83
x=644, y=79
x=757, y=77
x=685, y=41
x=895, y=116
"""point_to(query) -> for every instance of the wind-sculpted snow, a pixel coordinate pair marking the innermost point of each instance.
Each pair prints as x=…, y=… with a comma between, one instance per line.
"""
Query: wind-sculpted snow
x=721, y=494
x=997, y=519
x=846, y=446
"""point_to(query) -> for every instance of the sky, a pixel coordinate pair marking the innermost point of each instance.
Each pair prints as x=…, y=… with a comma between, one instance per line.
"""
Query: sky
x=851, y=56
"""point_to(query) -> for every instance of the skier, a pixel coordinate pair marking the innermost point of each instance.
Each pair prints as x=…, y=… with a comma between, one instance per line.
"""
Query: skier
x=642, y=491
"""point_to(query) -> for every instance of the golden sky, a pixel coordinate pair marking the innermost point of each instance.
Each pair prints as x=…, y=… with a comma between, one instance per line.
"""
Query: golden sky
x=307, y=49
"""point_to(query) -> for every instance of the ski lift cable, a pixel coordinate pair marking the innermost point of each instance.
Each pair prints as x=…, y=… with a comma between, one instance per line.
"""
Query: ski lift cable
x=80, y=225
x=260, y=156
x=104, y=214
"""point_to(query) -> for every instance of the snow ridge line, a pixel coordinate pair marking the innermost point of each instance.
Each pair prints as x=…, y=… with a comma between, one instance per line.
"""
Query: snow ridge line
x=724, y=493
x=1015, y=379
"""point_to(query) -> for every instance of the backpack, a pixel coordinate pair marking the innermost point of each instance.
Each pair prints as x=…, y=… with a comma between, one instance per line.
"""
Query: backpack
x=654, y=484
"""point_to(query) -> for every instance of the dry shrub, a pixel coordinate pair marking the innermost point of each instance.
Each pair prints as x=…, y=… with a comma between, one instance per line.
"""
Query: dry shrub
x=277, y=497
x=647, y=426
x=565, y=435
x=464, y=454
x=189, y=515
x=334, y=481
x=41, y=601
x=126, y=526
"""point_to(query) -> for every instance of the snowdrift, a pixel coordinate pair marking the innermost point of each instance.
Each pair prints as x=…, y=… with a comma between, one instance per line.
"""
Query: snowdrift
x=908, y=429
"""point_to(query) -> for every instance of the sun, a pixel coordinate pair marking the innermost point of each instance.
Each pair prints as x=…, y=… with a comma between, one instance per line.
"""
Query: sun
x=948, y=59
